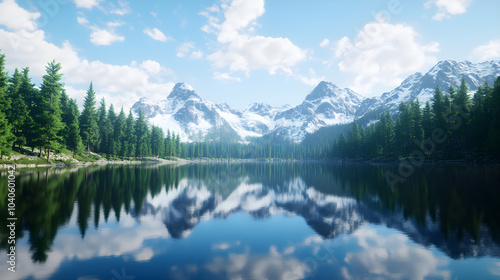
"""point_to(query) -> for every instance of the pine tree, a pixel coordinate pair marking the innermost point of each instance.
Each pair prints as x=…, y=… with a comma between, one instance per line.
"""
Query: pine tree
x=354, y=140
x=130, y=139
x=439, y=109
x=427, y=120
x=30, y=95
x=118, y=132
x=18, y=112
x=178, y=145
x=6, y=136
x=157, y=139
x=141, y=134
x=110, y=126
x=73, y=138
x=4, y=78
x=88, y=120
x=494, y=131
x=50, y=119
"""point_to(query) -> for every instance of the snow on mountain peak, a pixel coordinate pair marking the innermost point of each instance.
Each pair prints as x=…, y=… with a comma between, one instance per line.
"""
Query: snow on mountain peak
x=182, y=91
x=327, y=104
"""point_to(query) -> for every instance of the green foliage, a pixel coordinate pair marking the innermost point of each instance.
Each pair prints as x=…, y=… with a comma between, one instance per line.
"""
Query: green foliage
x=88, y=121
x=49, y=121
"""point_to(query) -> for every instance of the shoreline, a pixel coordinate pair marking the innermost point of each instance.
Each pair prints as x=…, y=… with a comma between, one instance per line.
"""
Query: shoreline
x=160, y=161
x=100, y=162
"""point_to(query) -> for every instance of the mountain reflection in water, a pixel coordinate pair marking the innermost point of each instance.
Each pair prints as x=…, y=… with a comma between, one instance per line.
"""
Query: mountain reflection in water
x=254, y=221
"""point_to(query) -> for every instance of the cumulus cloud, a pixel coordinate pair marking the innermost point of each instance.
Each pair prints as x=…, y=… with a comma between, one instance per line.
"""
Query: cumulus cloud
x=104, y=37
x=87, y=4
x=16, y=18
x=324, y=43
x=391, y=256
x=447, y=8
x=246, y=266
x=225, y=77
x=239, y=49
x=123, y=84
x=82, y=20
x=489, y=51
x=383, y=54
x=156, y=34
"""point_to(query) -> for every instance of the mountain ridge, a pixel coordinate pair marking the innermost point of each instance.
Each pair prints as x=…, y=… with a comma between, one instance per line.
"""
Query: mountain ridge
x=197, y=119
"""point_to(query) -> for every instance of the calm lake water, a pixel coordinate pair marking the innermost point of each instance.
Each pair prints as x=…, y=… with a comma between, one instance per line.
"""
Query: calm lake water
x=254, y=221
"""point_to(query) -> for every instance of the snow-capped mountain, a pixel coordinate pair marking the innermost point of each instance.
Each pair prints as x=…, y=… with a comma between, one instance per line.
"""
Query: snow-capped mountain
x=196, y=119
x=326, y=105
x=422, y=86
x=185, y=112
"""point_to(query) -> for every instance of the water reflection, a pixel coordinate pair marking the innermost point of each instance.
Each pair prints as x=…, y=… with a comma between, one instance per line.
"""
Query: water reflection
x=254, y=221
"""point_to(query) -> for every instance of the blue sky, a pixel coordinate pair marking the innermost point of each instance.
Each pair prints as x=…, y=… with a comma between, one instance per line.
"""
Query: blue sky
x=242, y=51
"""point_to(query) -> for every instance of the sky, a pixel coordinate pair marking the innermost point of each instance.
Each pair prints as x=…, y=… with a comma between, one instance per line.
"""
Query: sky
x=242, y=51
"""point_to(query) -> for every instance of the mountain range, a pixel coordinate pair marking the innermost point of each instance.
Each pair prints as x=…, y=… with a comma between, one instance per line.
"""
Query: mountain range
x=196, y=119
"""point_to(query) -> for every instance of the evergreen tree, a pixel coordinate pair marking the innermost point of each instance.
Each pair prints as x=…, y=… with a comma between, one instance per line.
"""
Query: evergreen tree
x=494, y=131
x=110, y=125
x=6, y=137
x=439, y=109
x=130, y=139
x=142, y=137
x=88, y=120
x=178, y=145
x=354, y=140
x=73, y=138
x=4, y=78
x=157, y=139
x=49, y=121
x=118, y=132
x=427, y=120
x=29, y=93
x=18, y=113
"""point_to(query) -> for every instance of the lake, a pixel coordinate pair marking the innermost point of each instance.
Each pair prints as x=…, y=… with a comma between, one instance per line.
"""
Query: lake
x=254, y=221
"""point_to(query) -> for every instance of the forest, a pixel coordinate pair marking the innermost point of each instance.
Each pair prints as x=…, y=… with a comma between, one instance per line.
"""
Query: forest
x=44, y=119
x=452, y=127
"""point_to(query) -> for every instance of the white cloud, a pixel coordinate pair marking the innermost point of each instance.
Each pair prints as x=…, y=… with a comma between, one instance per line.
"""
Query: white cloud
x=16, y=18
x=246, y=266
x=240, y=50
x=196, y=55
x=123, y=9
x=446, y=8
x=156, y=34
x=383, y=54
x=393, y=257
x=87, y=4
x=103, y=37
x=82, y=20
x=120, y=84
x=152, y=66
x=324, y=43
x=487, y=52
x=225, y=77
x=184, y=49
x=495, y=269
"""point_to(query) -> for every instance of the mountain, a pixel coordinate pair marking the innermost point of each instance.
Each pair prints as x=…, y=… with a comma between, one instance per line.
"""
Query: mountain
x=326, y=105
x=445, y=74
x=196, y=119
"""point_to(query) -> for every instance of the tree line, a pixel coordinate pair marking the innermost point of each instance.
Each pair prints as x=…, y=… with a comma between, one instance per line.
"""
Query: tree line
x=47, y=119
x=453, y=126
